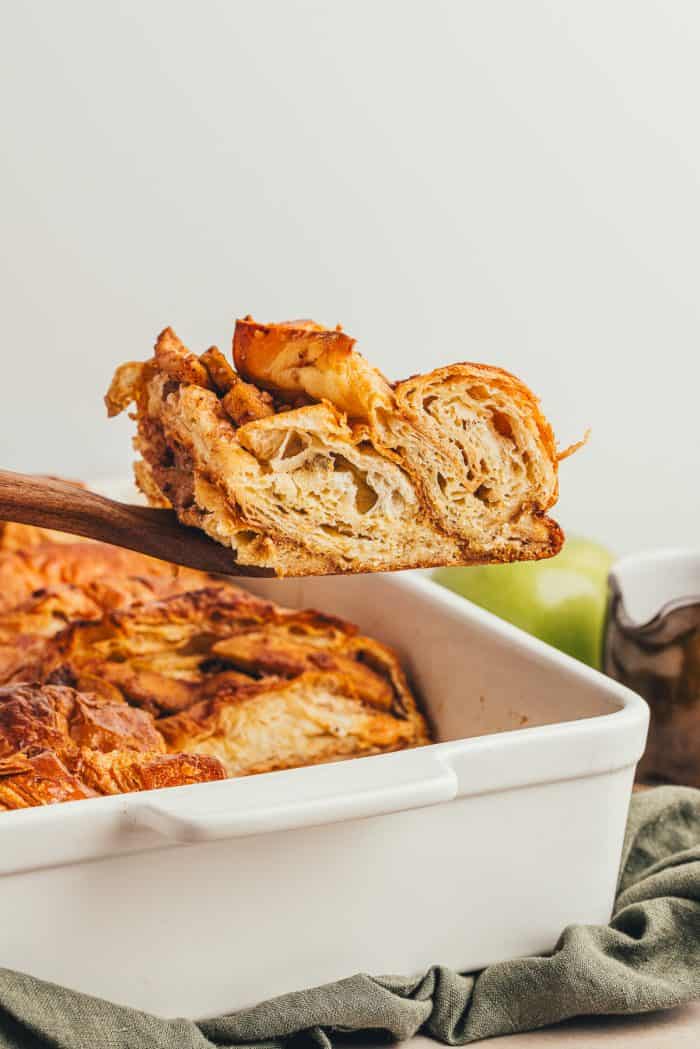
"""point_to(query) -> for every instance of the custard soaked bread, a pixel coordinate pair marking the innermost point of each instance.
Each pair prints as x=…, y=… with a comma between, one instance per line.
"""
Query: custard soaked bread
x=123, y=673
x=48, y=580
x=229, y=676
x=304, y=459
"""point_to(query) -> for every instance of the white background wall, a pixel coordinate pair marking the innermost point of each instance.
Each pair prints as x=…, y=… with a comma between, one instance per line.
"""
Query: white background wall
x=514, y=182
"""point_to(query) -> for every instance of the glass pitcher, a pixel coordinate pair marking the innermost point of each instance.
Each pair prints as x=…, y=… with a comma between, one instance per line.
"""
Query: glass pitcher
x=652, y=644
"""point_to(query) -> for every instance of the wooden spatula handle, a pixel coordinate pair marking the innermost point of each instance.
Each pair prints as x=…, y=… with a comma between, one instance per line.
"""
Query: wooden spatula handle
x=50, y=502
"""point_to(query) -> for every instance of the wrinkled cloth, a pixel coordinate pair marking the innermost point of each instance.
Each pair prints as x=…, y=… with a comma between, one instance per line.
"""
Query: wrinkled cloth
x=647, y=958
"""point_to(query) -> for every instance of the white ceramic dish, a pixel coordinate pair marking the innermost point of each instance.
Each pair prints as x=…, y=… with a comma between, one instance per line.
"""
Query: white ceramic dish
x=483, y=846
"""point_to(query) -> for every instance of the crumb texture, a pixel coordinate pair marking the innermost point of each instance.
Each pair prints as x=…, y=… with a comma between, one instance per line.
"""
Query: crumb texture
x=304, y=459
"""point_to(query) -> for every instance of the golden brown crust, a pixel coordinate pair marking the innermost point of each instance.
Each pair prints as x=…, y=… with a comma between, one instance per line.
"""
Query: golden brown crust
x=34, y=719
x=243, y=680
x=106, y=573
x=168, y=655
x=301, y=357
x=181, y=688
x=51, y=717
x=48, y=584
x=41, y=779
x=125, y=386
x=121, y=771
x=57, y=744
x=45, y=585
x=173, y=358
x=220, y=371
x=309, y=462
x=243, y=403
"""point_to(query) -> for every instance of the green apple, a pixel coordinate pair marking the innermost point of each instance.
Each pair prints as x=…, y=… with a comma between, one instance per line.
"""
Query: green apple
x=561, y=600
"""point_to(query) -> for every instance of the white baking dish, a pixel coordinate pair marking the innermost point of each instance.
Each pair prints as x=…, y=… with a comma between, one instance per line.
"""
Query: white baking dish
x=483, y=846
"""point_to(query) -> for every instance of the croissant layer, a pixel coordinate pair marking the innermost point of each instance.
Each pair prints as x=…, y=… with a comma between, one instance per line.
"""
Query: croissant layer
x=119, y=676
x=304, y=459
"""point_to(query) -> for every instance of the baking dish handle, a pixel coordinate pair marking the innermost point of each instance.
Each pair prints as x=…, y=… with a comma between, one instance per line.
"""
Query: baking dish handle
x=301, y=798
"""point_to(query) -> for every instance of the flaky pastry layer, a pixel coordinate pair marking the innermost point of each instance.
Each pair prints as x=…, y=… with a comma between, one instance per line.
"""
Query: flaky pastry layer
x=146, y=677
x=258, y=686
x=48, y=581
x=304, y=459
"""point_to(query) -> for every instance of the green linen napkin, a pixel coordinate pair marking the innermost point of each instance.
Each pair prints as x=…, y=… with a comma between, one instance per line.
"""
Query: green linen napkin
x=647, y=958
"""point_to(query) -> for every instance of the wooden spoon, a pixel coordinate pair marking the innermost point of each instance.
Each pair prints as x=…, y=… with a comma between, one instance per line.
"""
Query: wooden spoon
x=50, y=502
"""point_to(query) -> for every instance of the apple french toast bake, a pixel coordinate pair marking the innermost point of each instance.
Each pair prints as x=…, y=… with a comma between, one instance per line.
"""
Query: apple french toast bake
x=305, y=460
x=121, y=673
